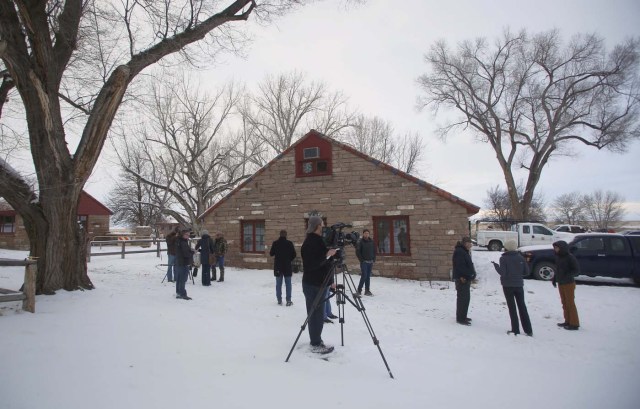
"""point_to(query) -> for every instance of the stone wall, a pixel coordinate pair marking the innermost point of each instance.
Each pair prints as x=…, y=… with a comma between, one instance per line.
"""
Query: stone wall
x=357, y=191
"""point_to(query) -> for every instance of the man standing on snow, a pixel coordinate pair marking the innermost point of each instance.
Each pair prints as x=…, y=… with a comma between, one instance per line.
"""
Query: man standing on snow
x=184, y=259
x=316, y=267
x=283, y=252
x=567, y=268
x=172, y=239
x=366, y=253
x=219, y=249
x=463, y=274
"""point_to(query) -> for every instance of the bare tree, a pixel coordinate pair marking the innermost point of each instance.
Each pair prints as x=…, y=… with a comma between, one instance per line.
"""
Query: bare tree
x=409, y=153
x=135, y=203
x=192, y=156
x=569, y=208
x=375, y=137
x=531, y=97
x=287, y=105
x=372, y=136
x=72, y=63
x=500, y=210
x=604, y=209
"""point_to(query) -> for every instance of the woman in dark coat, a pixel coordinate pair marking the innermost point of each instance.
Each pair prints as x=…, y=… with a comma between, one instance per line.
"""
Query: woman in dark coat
x=283, y=252
x=512, y=269
x=566, y=269
x=205, y=246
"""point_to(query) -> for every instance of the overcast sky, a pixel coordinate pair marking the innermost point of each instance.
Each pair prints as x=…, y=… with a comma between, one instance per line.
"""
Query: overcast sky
x=374, y=53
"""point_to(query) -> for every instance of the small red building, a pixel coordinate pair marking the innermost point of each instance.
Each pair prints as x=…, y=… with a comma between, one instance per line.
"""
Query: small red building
x=93, y=215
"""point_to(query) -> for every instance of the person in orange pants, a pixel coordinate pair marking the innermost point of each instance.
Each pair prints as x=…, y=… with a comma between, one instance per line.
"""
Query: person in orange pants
x=567, y=268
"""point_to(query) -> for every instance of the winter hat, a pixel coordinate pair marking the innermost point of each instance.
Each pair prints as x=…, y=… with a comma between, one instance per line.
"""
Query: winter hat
x=205, y=232
x=314, y=222
x=510, y=245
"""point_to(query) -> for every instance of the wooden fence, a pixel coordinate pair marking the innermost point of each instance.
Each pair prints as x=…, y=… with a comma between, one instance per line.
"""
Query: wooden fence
x=28, y=293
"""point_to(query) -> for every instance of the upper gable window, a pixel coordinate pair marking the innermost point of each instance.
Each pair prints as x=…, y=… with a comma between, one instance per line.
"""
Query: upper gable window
x=311, y=153
x=313, y=158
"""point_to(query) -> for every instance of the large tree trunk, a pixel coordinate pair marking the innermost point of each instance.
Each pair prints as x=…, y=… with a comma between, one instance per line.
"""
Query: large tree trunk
x=58, y=242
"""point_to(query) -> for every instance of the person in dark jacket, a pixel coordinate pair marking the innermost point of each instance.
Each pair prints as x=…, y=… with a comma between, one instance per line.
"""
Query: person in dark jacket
x=366, y=253
x=283, y=253
x=171, y=239
x=463, y=274
x=512, y=269
x=205, y=246
x=316, y=269
x=184, y=259
x=567, y=269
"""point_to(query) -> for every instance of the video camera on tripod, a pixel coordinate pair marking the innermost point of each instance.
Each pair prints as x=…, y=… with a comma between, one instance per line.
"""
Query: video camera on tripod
x=334, y=237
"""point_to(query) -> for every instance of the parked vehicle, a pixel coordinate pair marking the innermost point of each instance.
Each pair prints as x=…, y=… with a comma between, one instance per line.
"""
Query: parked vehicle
x=524, y=234
x=630, y=232
x=599, y=254
x=569, y=228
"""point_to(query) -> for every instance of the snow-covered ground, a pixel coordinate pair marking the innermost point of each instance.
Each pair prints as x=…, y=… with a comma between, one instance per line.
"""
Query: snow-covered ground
x=130, y=344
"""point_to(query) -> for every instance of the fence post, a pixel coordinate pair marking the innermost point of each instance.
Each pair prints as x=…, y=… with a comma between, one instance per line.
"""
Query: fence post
x=158, y=247
x=89, y=252
x=29, y=303
x=123, y=242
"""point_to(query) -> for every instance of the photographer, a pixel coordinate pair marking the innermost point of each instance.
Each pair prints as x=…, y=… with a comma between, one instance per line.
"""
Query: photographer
x=316, y=267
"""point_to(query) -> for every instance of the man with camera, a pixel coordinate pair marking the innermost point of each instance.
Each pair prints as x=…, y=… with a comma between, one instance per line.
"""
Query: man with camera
x=316, y=269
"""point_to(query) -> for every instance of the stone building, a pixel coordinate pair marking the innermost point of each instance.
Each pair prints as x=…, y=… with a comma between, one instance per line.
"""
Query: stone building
x=414, y=224
x=93, y=215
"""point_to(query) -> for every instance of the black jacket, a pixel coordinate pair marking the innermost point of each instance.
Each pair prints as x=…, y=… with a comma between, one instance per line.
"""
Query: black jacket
x=366, y=250
x=184, y=254
x=512, y=268
x=462, y=264
x=566, y=263
x=284, y=253
x=314, y=261
x=205, y=246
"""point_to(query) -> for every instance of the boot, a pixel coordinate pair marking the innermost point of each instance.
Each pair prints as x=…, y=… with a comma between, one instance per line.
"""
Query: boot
x=221, y=274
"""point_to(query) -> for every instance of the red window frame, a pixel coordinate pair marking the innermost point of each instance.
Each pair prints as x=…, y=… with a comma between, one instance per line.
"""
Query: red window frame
x=254, y=243
x=393, y=245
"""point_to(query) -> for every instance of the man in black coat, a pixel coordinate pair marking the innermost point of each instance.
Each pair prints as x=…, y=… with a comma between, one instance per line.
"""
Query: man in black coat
x=184, y=259
x=283, y=252
x=316, y=267
x=567, y=268
x=463, y=274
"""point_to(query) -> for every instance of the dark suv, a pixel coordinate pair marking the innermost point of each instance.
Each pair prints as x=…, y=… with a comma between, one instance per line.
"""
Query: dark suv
x=605, y=255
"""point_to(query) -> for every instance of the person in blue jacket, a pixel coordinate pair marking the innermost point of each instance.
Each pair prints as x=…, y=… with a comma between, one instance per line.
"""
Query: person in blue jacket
x=463, y=273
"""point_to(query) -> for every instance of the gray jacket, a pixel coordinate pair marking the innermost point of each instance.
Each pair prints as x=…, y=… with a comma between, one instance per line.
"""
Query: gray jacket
x=512, y=268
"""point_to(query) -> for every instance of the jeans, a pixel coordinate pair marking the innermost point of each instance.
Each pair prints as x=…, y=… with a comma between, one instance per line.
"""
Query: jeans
x=182, y=273
x=515, y=297
x=327, y=304
x=219, y=263
x=316, y=319
x=287, y=284
x=171, y=262
x=365, y=275
x=462, y=300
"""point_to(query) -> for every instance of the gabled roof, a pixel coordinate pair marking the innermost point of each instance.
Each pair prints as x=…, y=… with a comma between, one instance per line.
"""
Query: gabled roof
x=88, y=205
x=471, y=208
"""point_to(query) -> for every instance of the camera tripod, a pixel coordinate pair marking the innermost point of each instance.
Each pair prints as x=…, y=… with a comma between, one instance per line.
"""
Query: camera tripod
x=341, y=299
x=190, y=276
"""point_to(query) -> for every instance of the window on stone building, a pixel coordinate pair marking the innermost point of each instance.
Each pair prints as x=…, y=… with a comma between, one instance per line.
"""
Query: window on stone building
x=252, y=236
x=7, y=224
x=83, y=221
x=391, y=234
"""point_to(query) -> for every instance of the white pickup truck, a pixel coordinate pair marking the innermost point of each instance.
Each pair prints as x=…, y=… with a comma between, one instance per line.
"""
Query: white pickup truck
x=524, y=234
